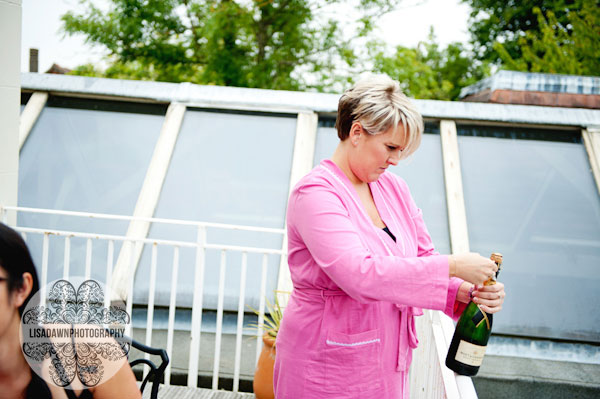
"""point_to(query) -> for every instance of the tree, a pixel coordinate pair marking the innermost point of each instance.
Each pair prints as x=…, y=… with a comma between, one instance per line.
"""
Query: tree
x=250, y=43
x=554, y=48
x=429, y=72
x=506, y=21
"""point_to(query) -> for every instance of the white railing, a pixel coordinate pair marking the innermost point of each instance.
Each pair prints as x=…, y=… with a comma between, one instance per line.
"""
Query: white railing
x=200, y=247
x=429, y=377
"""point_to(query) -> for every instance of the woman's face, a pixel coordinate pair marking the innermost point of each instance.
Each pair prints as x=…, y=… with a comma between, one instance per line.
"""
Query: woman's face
x=373, y=154
x=10, y=301
x=7, y=304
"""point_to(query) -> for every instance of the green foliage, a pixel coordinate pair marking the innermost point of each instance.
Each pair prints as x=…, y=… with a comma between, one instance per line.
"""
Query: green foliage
x=272, y=320
x=555, y=48
x=138, y=34
x=506, y=21
x=427, y=71
x=252, y=43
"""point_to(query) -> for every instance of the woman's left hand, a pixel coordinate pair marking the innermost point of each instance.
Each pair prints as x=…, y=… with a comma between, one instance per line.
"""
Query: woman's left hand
x=489, y=297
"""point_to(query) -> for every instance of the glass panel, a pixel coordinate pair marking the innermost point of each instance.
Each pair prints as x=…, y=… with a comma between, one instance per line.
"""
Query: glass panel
x=226, y=168
x=424, y=174
x=83, y=160
x=537, y=203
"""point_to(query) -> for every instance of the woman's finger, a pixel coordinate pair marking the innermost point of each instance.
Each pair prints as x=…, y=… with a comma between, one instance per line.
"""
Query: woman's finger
x=488, y=295
x=490, y=299
x=498, y=287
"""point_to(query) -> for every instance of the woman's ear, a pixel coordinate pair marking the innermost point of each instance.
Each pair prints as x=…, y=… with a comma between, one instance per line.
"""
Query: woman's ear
x=356, y=131
x=22, y=292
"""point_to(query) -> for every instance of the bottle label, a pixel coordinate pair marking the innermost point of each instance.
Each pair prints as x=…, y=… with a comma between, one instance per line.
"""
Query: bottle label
x=469, y=353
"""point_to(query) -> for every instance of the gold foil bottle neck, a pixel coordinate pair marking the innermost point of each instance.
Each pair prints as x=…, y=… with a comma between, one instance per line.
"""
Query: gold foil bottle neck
x=496, y=257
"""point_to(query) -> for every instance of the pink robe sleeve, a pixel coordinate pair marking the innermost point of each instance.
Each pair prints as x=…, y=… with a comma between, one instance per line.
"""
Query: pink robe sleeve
x=321, y=221
x=453, y=307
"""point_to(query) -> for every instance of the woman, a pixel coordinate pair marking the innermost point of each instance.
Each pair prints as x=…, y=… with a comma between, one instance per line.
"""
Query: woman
x=362, y=262
x=18, y=284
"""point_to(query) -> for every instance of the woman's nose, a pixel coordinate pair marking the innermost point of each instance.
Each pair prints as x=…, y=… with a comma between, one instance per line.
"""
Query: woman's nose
x=393, y=159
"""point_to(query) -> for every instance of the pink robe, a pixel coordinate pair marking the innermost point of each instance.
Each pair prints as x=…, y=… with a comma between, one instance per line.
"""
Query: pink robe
x=348, y=330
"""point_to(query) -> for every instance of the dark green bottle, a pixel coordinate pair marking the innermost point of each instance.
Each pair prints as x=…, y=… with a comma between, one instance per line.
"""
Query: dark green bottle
x=470, y=339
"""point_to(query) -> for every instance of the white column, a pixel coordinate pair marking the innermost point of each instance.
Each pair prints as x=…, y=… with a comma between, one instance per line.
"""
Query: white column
x=148, y=199
x=30, y=115
x=591, y=140
x=457, y=215
x=10, y=100
x=302, y=163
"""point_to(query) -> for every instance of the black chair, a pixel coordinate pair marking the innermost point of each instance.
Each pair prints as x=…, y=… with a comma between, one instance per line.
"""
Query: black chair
x=155, y=374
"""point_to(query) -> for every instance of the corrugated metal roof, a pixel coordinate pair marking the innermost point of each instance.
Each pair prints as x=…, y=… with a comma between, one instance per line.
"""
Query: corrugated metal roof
x=291, y=101
x=544, y=82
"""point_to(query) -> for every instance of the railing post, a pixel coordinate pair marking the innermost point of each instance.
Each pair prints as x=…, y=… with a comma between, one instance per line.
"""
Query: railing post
x=88, y=258
x=129, y=281
x=109, y=268
x=219, y=332
x=240, y=323
x=150, y=309
x=261, y=306
x=44, y=277
x=197, y=308
x=172, y=310
x=67, y=258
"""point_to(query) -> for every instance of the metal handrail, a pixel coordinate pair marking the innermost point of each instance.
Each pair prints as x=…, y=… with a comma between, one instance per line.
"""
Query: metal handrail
x=180, y=222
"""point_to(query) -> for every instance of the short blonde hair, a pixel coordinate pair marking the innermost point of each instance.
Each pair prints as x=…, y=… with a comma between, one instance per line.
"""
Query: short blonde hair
x=378, y=104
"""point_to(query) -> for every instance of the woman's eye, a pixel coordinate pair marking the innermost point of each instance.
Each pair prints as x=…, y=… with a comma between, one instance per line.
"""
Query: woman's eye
x=391, y=148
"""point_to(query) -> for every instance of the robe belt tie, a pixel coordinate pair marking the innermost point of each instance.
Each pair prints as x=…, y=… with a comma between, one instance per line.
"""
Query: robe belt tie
x=408, y=335
x=408, y=332
x=315, y=292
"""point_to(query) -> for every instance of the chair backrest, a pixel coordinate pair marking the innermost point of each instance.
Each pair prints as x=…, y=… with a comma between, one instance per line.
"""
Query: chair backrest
x=156, y=373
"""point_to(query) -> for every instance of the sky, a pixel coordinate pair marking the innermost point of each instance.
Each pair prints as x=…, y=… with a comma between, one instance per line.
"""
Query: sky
x=406, y=26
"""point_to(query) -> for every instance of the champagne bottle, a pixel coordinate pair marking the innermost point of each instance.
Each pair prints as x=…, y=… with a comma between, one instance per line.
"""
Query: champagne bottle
x=471, y=335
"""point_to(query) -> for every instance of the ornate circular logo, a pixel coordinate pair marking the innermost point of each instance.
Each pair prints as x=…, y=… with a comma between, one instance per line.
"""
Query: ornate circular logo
x=70, y=336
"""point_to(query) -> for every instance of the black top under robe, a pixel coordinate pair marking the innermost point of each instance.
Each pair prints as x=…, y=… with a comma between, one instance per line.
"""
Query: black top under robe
x=390, y=233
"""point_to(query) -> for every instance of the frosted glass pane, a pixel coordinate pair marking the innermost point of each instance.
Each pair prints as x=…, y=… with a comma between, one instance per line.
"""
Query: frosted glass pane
x=537, y=203
x=326, y=143
x=424, y=174
x=83, y=160
x=226, y=168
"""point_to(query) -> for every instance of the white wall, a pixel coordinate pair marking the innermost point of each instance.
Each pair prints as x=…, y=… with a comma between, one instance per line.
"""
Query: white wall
x=10, y=94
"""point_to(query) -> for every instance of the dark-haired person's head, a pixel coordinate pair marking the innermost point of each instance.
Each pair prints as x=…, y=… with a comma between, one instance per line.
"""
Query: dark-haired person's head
x=15, y=261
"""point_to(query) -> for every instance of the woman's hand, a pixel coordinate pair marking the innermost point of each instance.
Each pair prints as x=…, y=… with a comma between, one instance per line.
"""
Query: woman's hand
x=489, y=297
x=472, y=267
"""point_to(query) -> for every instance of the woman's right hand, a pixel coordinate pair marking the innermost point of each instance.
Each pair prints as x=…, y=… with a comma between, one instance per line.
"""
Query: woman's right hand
x=472, y=267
